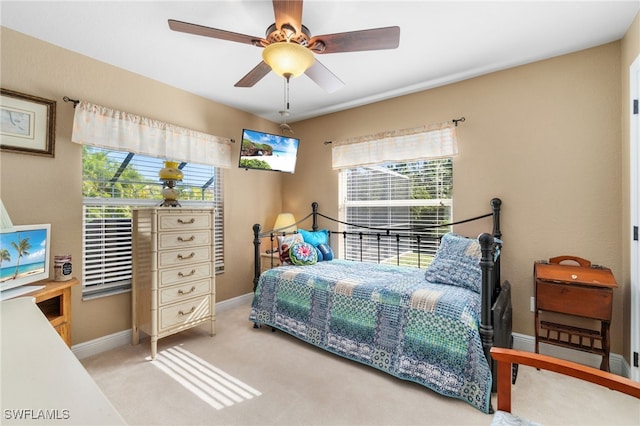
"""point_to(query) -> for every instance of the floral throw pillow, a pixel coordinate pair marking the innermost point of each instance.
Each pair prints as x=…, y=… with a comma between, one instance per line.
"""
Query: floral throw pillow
x=457, y=262
x=284, y=244
x=302, y=254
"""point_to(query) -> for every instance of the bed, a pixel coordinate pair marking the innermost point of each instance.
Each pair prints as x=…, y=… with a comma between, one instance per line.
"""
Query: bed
x=434, y=326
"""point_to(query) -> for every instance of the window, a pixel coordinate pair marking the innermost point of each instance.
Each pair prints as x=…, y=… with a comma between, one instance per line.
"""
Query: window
x=404, y=196
x=115, y=182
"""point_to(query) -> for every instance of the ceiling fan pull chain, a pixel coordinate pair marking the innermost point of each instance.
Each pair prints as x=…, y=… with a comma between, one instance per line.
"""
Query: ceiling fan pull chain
x=285, y=112
x=284, y=104
x=287, y=85
x=286, y=92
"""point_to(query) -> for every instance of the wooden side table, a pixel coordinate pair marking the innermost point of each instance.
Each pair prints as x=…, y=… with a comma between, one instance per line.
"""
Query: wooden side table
x=575, y=290
x=269, y=260
x=54, y=300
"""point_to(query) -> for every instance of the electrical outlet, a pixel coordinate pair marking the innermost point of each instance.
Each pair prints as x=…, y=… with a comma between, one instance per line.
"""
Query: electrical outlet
x=533, y=304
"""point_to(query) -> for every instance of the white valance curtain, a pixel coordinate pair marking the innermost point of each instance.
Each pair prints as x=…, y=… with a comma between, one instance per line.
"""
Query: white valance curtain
x=107, y=128
x=429, y=141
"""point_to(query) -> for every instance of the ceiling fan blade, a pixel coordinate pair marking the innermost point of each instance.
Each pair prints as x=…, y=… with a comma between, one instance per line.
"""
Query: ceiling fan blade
x=323, y=77
x=288, y=12
x=357, y=41
x=254, y=76
x=186, y=27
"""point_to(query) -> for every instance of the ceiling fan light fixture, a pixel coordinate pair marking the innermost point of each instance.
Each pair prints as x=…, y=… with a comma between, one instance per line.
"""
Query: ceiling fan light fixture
x=287, y=58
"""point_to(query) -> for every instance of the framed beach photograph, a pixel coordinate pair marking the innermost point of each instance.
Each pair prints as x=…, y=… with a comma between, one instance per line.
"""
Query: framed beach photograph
x=27, y=123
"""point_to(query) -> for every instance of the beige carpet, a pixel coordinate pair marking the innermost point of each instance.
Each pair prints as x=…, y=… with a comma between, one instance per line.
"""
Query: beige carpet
x=244, y=376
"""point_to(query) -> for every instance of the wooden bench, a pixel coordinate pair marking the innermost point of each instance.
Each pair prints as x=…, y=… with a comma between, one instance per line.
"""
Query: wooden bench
x=507, y=357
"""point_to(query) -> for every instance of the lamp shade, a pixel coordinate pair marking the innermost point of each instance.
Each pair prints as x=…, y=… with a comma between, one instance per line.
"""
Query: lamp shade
x=285, y=222
x=287, y=58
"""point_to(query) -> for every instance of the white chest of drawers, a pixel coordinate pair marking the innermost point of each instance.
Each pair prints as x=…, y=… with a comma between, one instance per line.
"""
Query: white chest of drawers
x=173, y=271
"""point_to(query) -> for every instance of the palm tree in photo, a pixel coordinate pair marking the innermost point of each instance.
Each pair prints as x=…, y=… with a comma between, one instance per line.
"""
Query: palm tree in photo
x=22, y=247
x=5, y=256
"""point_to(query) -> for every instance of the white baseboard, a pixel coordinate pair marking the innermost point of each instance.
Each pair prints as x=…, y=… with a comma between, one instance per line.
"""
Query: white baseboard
x=617, y=363
x=102, y=344
x=523, y=342
x=234, y=302
x=121, y=338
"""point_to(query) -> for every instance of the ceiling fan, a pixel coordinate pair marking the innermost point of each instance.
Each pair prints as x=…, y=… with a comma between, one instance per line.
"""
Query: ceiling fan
x=287, y=36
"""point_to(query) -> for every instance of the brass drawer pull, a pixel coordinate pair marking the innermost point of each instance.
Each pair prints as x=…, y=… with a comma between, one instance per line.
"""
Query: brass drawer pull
x=181, y=257
x=181, y=275
x=193, y=309
x=182, y=293
x=183, y=240
x=187, y=222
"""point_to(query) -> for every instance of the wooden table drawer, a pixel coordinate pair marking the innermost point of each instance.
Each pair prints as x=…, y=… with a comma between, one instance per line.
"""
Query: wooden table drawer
x=171, y=240
x=572, y=299
x=184, y=221
x=186, y=312
x=185, y=274
x=185, y=291
x=184, y=256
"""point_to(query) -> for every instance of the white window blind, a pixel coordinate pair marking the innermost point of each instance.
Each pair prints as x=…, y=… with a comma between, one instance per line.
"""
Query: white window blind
x=404, y=196
x=106, y=248
x=114, y=183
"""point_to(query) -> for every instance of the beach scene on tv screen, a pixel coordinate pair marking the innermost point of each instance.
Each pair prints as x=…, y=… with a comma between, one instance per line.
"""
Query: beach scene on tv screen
x=22, y=253
x=268, y=152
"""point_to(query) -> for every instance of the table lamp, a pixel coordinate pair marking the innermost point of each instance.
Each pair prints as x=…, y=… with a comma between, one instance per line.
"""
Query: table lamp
x=285, y=222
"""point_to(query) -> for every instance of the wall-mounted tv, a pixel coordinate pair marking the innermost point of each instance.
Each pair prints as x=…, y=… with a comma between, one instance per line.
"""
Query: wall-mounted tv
x=24, y=255
x=265, y=151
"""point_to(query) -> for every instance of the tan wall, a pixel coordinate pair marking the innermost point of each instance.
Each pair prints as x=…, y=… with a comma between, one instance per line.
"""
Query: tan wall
x=48, y=190
x=544, y=137
x=630, y=50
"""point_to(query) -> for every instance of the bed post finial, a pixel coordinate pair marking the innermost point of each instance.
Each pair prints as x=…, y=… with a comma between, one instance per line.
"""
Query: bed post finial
x=314, y=210
x=496, y=203
x=256, y=255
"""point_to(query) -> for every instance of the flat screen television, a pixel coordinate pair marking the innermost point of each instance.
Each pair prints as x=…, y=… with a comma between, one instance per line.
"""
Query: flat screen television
x=265, y=151
x=24, y=255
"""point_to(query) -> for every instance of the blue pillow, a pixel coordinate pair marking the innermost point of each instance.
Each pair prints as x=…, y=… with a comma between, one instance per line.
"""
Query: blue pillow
x=315, y=237
x=326, y=251
x=303, y=254
x=457, y=262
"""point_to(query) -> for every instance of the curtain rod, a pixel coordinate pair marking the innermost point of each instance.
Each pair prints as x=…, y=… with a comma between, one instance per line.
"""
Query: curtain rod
x=455, y=121
x=68, y=99
x=458, y=120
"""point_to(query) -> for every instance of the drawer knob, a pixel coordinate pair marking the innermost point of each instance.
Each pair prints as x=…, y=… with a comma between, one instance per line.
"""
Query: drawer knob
x=184, y=240
x=181, y=257
x=182, y=293
x=187, y=222
x=574, y=277
x=182, y=313
x=180, y=274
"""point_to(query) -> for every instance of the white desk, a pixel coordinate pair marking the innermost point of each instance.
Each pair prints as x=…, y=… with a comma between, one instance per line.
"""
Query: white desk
x=42, y=381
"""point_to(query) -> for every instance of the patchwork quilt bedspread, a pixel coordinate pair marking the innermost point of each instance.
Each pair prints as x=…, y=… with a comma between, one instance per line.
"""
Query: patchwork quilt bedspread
x=388, y=317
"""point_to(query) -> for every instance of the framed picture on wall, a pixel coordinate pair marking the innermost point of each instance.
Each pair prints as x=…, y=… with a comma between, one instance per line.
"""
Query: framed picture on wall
x=27, y=123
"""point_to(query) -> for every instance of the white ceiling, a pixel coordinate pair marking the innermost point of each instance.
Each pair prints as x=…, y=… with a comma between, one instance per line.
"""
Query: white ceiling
x=440, y=42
